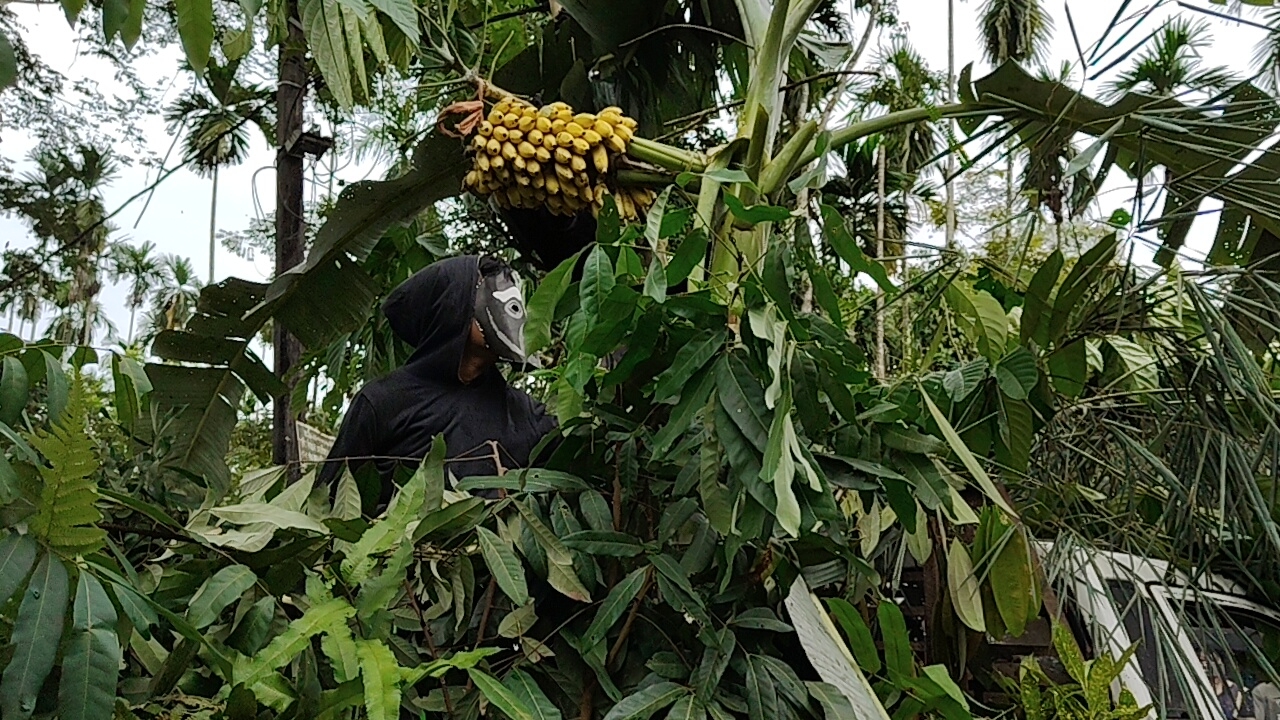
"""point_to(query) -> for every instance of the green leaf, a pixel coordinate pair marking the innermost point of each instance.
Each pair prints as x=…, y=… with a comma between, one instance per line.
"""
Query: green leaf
x=195, y=29
x=114, y=14
x=278, y=517
x=542, y=305
x=743, y=400
x=500, y=697
x=381, y=676
x=603, y=542
x=225, y=587
x=326, y=616
x=835, y=706
x=692, y=357
x=557, y=553
x=756, y=213
x=91, y=658
x=614, y=605
x=1017, y=431
x=730, y=177
x=897, y=643
x=966, y=456
x=131, y=388
x=1069, y=653
x=762, y=696
x=644, y=703
x=1035, y=305
x=857, y=633
x=760, y=618
x=595, y=510
x=505, y=566
x=37, y=630
x=253, y=630
x=687, y=708
x=1082, y=276
x=322, y=23
x=654, y=219
x=691, y=253
x=17, y=555
x=523, y=686
x=132, y=30
x=56, y=385
x=597, y=282
x=1017, y=374
x=8, y=62
x=837, y=235
x=1013, y=580
x=14, y=391
x=1139, y=365
x=531, y=480
x=655, y=283
x=718, y=651
x=963, y=380
x=993, y=322
x=1069, y=368
x=962, y=583
x=404, y=14
x=518, y=622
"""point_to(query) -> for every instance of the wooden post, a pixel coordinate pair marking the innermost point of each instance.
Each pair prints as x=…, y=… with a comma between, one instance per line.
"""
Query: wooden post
x=290, y=96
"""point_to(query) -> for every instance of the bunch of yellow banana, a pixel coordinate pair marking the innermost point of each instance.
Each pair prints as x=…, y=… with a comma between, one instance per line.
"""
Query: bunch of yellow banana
x=528, y=157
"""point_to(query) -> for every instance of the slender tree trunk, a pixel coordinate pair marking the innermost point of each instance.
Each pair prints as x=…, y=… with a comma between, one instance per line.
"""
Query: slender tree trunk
x=213, y=222
x=1008, y=200
x=290, y=96
x=951, y=97
x=13, y=312
x=133, y=313
x=880, y=349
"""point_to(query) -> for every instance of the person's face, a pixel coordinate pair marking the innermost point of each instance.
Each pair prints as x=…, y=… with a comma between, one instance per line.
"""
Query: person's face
x=501, y=315
x=476, y=343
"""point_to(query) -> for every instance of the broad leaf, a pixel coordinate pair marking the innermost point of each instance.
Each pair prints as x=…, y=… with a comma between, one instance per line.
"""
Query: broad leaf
x=897, y=644
x=195, y=29
x=381, y=676
x=278, y=517
x=604, y=542
x=500, y=697
x=692, y=357
x=597, y=282
x=1017, y=374
x=504, y=565
x=614, y=605
x=962, y=583
x=225, y=587
x=17, y=555
x=857, y=633
x=37, y=630
x=542, y=305
x=91, y=659
x=523, y=686
x=14, y=390
x=966, y=456
x=644, y=703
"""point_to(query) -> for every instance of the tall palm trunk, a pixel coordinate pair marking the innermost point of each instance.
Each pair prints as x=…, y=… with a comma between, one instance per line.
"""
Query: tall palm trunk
x=213, y=222
x=133, y=313
x=880, y=349
x=951, y=97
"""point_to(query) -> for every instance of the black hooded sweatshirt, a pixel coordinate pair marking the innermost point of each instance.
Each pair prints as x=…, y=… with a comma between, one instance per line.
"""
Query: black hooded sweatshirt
x=395, y=418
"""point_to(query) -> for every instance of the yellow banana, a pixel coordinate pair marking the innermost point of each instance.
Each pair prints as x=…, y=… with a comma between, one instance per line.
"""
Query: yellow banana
x=563, y=155
x=485, y=128
x=602, y=128
x=509, y=151
x=533, y=167
x=527, y=150
x=564, y=140
x=592, y=137
x=616, y=144
x=564, y=171
x=541, y=154
x=542, y=124
x=526, y=123
x=534, y=137
x=600, y=158
x=510, y=120
x=501, y=134
x=515, y=136
x=574, y=129
x=580, y=146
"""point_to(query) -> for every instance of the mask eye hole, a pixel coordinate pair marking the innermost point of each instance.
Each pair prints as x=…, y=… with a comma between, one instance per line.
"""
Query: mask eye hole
x=515, y=309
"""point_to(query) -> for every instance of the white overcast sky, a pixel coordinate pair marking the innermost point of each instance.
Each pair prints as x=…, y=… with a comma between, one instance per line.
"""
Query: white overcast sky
x=177, y=220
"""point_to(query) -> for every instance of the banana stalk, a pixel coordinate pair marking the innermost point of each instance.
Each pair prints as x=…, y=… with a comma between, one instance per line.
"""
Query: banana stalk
x=781, y=167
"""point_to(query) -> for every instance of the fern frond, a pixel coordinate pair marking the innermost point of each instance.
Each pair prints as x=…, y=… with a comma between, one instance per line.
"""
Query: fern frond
x=67, y=516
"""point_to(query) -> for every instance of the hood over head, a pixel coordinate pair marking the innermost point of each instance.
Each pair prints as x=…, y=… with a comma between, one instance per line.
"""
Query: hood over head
x=433, y=311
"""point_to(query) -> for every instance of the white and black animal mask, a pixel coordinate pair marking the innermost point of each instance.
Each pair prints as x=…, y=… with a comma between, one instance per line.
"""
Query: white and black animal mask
x=500, y=311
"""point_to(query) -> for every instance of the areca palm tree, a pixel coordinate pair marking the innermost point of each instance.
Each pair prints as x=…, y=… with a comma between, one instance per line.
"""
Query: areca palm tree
x=136, y=265
x=1015, y=30
x=1018, y=31
x=174, y=300
x=215, y=116
x=1171, y=63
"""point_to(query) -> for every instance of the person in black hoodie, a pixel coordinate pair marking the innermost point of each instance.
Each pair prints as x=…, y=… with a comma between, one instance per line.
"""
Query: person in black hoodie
x=461, y=315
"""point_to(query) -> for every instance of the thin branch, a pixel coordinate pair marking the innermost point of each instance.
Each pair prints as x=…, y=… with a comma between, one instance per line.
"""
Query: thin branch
x=540, y=7
x=686, y=26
